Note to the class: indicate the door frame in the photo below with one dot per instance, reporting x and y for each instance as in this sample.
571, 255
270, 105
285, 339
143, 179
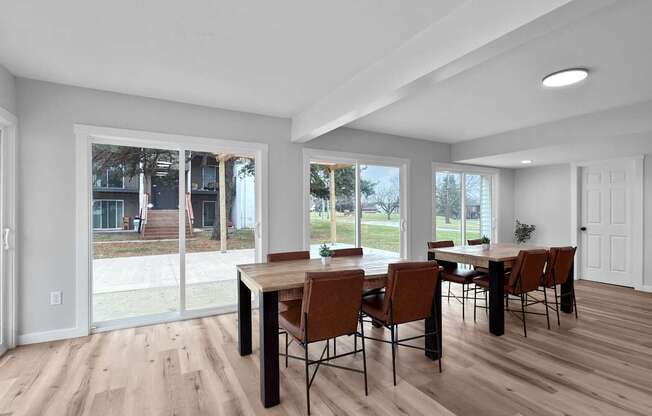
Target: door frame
462, 169
9, 125
636, 189
358, 159
86, 135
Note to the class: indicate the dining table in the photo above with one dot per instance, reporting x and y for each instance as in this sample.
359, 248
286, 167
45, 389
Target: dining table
497, 258
266, 280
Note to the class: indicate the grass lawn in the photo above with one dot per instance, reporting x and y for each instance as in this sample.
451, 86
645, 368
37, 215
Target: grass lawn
379, 236
451, 231
110, 245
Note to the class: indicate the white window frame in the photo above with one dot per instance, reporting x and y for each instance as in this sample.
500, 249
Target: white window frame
203, 179
8, 227
203, 209
357, 159
463, 170
86, 136
118, 223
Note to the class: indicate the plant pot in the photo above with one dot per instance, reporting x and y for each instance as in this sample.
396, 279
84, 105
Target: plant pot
326, 260
486, 246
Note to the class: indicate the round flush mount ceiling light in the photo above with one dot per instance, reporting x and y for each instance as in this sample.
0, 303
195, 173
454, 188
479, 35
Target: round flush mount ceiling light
526, 162
565, 77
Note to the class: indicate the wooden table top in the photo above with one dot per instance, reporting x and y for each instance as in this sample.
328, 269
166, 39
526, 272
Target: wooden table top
478, 256
270, 277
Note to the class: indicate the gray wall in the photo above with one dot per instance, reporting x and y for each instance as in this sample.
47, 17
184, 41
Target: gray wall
47, 166
7, 90
647, 222
542, 198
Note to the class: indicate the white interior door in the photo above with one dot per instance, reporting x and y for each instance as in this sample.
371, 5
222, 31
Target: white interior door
3, 249
606, 222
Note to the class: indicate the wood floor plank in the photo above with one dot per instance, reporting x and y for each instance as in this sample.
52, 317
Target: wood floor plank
600, 364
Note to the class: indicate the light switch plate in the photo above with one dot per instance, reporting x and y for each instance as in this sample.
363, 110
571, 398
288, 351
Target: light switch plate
56, 298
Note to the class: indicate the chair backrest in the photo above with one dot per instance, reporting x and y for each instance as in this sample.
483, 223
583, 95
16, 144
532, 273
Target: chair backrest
345, 252
474, 242
287, 256
331, 301
528, 269
410, 291
441, 244
560, 262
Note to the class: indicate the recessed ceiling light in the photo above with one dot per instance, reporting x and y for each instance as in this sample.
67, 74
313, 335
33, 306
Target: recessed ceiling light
526, 162
565, 77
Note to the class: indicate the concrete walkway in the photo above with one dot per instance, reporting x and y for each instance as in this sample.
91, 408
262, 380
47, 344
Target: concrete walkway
144, 272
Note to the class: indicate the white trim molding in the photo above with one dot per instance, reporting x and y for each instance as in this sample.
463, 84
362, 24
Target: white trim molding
86, 135
54, 335
360, 159
637, 213
8, 164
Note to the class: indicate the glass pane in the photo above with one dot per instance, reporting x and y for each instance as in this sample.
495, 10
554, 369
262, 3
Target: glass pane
486, 214
380, 196
448, 201
114, 177
136, 266
219, 236
473, 200
332, 205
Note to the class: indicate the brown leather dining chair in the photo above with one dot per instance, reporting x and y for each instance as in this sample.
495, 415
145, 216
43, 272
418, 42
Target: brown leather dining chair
474, 242
558, 269
524, 278
346, 252
453, 273
290, 297
409, 295
330, 308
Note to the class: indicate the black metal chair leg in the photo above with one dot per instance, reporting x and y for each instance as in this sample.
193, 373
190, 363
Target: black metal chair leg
475, 302
364, 357
557, 305
545, 302
463, 302
574, 302
335, 346
449, 292
307, 379
355, 342
393, 355
523, 312
286, 349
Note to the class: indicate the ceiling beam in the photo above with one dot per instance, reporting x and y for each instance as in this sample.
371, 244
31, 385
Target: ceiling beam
474, 32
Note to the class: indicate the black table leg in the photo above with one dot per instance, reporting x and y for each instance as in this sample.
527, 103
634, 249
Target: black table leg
244, 318
269, 372
567, 291
496, 296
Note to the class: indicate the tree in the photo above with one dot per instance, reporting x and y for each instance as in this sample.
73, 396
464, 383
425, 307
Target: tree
344, 185
388, 198
447, 195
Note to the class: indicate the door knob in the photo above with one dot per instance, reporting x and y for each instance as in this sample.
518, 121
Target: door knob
582, 228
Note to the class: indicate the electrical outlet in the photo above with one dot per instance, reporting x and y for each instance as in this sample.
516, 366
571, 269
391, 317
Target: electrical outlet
56, 298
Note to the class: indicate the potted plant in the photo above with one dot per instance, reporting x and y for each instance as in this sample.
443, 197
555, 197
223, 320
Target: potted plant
523, 232
326, 254
486, 242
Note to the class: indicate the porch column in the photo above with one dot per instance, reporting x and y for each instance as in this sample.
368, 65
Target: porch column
222, 187
333, 203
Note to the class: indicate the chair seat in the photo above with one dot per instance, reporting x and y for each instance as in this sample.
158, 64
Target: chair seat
284, 305
373, 306
461, 276
290, 320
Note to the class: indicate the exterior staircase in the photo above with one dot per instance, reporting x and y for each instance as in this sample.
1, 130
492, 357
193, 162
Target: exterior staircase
163, 224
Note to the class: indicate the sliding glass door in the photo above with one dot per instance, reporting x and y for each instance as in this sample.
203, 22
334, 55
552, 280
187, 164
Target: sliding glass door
463, 205
169, 225
355, 203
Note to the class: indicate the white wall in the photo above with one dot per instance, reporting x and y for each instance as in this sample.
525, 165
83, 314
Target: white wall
542, 198
7, 90
505, 214
47, 166
647, 223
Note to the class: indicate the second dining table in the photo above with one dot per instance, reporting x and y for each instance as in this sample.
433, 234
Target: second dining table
497, 259
267, 279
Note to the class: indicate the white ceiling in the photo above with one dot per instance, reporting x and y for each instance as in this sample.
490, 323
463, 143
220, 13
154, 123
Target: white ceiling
268, 57
505, 94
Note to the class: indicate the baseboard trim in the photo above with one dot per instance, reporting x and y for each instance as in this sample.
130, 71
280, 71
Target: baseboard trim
645, 288
54, 335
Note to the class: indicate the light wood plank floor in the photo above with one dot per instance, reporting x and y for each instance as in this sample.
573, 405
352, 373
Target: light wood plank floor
600, 364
